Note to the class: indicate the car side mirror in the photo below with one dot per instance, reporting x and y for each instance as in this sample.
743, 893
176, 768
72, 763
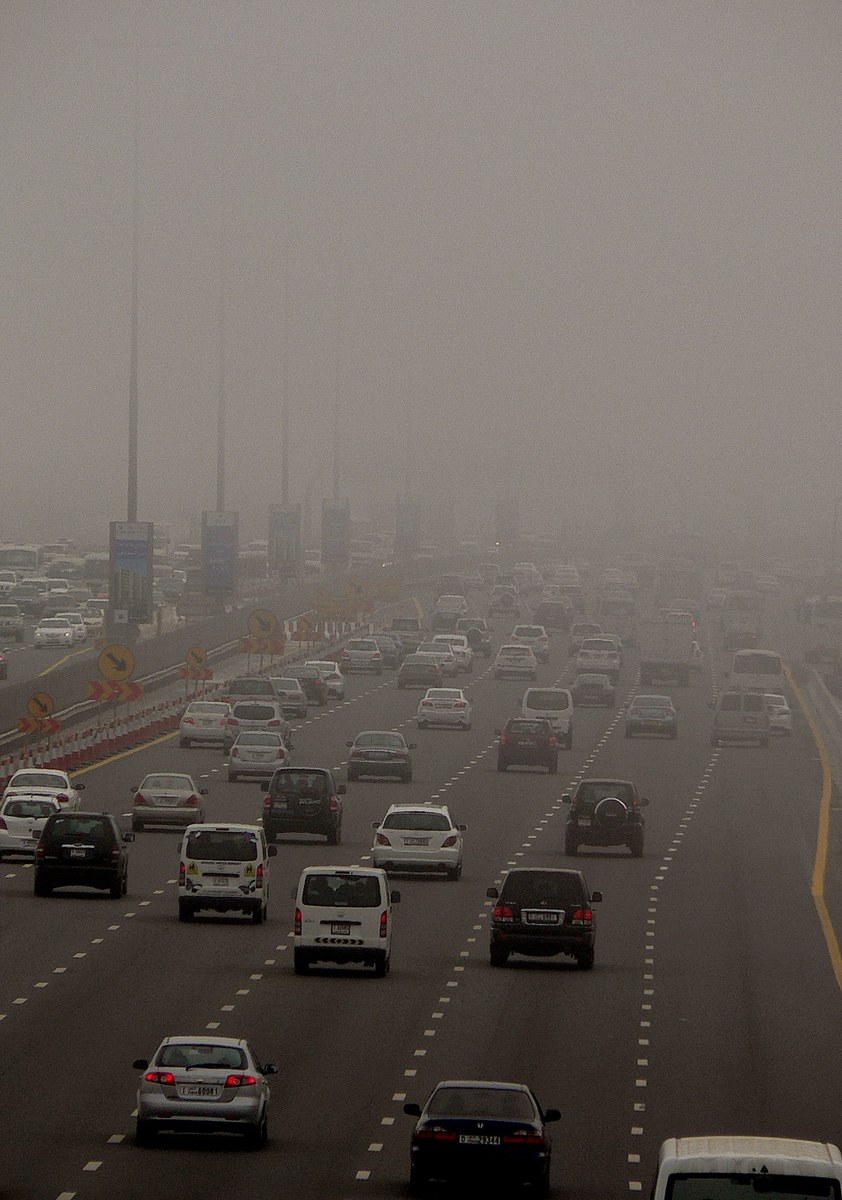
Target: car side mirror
492, 893
552, 1114
80, 787
341, 789
349, 743
140, 1064
596, 897
644, 801
412, 1110
272, 851
128, 837
203, 791
270, 1069
394, 897
566, 798
462, 828
498, 732
375, 824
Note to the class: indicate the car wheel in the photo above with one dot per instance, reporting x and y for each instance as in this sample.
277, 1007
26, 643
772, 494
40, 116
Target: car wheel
185, 910
501, 766
636, 845
352, 775
300, 962
422, 724
115, 891
571, 846
381, 965
584, 960
137, 826
498, 956
258, 915
257, 1135
232, 776
454, 872
334, 836
144, 1134
184, 743
417, 1182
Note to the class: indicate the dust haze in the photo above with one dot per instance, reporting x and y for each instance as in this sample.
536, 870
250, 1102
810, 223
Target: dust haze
588, 252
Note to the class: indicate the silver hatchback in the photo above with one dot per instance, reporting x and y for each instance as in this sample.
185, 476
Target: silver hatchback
256, 716
203, 1085
257, 756
203, 722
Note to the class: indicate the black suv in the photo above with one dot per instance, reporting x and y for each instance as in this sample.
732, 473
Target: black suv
82, 849
304, 800
605, 812
477, 632
543, 911
527, 742
312, 683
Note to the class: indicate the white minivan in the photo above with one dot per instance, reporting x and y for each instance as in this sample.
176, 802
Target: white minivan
343, 915
757, 671
554, 705
742, 1168
224, 867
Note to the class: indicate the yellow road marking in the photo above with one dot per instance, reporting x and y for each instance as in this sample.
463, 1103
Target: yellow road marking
106, 762
820, 860
58, 662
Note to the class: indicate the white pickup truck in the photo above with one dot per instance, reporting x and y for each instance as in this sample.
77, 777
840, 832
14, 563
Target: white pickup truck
600, 656
666, 649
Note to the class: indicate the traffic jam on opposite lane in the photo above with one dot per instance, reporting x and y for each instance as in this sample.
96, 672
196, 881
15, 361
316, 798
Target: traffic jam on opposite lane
435, 795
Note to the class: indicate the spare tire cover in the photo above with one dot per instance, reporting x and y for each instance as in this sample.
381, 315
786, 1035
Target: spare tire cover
610, 813
474, 636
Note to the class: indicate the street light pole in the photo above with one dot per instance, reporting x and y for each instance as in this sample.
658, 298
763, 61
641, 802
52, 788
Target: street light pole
220, 399
285, 401
131, 505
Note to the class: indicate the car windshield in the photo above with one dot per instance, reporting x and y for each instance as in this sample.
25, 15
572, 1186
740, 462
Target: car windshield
250, 687
416, 820
344, 890
499, 1103
778, 701
29, 808
222, 845
542, 887
198, 1054
172, 783
547, 700
287, 685
207, 708
39, 779
305, 673
443, 694
393, 741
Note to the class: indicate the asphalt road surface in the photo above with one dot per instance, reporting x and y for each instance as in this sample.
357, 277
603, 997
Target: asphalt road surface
712, 1006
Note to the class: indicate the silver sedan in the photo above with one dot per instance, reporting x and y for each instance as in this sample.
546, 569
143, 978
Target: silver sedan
203, 1085
257, 756
165, 798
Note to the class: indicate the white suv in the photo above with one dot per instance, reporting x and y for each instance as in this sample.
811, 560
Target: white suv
534, 636
515, 660
361, 654
460, 646
418, 837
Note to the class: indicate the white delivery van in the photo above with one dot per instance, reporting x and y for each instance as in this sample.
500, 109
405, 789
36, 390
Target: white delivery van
224, 867
747, 1168
343, 915
757, 671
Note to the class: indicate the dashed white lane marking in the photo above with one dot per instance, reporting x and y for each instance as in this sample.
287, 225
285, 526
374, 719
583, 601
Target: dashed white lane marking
92, 1166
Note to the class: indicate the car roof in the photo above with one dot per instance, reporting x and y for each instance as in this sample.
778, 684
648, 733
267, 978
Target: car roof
333, 869
224, 827
594, 779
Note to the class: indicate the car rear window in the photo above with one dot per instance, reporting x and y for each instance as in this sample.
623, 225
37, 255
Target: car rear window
79, 828
254, 712
592, 793
299, 783
499, 1103
29, 808
222, 845
346, 891
251, 687
534, 887
753, 703
208, 708
173, 783
197, 1055
416, 820
391, 741
547, 700
517, 727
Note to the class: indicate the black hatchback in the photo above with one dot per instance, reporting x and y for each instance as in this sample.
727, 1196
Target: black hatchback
543, 911
83, 850
528, 743
304, 800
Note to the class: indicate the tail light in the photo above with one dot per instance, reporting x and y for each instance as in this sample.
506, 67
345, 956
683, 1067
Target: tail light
297, 925
267, 801
280, 753
139, 798
187, 721
3, 824
436, 1134
235, 752
115, 853
159, 1077
239, 1081
231, 721
182, 874
551, 740
259, 877
334, 804
523, 1139
376, 655
382, 840
582, 916
191, 801
62, 798
426, 703
274, 724
502, 912
384, 923
453, 840
503, 738
39, 850
461, 704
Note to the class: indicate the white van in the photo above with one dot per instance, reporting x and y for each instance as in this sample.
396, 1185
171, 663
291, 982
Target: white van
757, 671
224, 867
745, 1168
343, 915
554, 705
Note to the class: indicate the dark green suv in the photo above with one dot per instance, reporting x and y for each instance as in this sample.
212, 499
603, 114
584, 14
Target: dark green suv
82, 849
605, 812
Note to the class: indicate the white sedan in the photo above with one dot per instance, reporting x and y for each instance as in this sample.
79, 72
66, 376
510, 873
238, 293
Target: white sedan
21, 820
780, 714
418, 837
32, 781
53, 631
443, 654
445, 706
332, 676
77, 624
515, 660
461, 647
533, 636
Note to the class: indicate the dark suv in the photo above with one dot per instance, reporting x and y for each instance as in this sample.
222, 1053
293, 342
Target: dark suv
82, 849
527, 742
304, 800
543, 911
605, 812
312, 683
477, 632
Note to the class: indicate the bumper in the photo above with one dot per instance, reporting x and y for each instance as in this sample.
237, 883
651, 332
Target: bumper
417, 859
527, 760
493, 1163
594, 835
514, 672
196, 733
361, 767
442, 716
146, 814
543, 944
11, 844
255, 770
198, 1115
667, 728
93, 877
361, 665
275, 826
341, 951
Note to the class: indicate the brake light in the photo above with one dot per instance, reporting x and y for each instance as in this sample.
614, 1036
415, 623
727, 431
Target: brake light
450, 841
39, 850
259, 876
435, 1134
376, 654
502, 912
139, 798
182, 874
551, 740
582, 916
191, 801
384, 923
334, 804
274, 724
115, 853
267, 801
426, 703
239, 1081
297, 925
503, 738
461, 704
159, 1077
280, 752
231, 721
62, 798
523, 1139
382, 840
235, 753
187, 721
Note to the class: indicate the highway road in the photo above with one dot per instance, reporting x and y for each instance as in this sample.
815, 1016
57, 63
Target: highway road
712, 1007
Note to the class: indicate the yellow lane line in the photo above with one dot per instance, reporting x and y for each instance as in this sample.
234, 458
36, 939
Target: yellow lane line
59, 661
106, 762
820, 860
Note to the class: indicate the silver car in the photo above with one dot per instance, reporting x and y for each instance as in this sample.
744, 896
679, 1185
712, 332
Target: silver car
333, 677
291, 695
362, 654
253, 716
203, 1085
21, 820
165, 798
204, 722
256, 756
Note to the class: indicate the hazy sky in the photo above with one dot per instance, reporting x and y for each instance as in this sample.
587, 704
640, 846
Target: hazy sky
588, 249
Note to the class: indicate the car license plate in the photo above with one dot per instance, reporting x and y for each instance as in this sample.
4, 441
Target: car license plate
166, 801
478, 1139
27, 841
542, 918
584, 820
340, 929
78, 851
416, 841
220, 881
200, 1091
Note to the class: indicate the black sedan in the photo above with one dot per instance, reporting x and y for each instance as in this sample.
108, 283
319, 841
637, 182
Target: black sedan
377, 752
476, 1130
312, 683
527, 742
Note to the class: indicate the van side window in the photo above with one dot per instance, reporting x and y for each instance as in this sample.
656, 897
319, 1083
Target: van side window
753, 703
730, 702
